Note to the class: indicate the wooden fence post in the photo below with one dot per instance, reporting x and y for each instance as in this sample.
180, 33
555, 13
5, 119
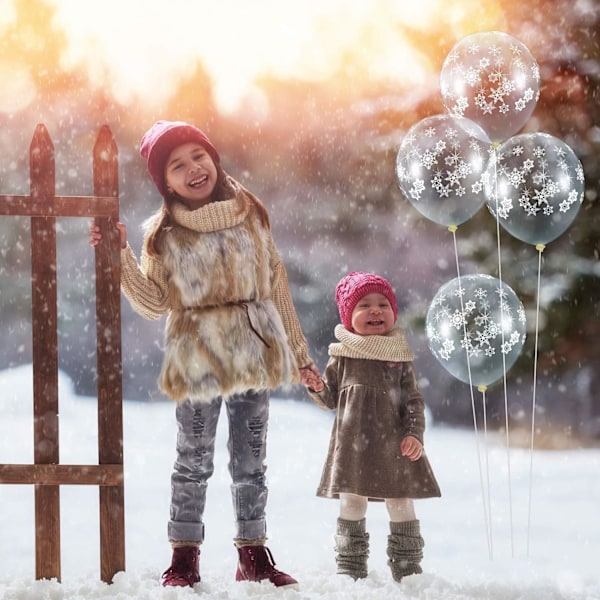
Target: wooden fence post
45, 353
108, 336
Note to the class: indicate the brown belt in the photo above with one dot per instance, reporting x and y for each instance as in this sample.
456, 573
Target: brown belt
242, 304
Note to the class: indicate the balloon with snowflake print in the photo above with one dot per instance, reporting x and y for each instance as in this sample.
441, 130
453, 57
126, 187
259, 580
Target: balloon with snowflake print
491, 78
535, 187
440, 166
476, 328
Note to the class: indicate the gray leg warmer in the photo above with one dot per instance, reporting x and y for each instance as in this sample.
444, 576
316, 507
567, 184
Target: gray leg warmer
352, 547
405, 549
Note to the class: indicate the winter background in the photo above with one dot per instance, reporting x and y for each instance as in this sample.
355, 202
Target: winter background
564, 535
309, 115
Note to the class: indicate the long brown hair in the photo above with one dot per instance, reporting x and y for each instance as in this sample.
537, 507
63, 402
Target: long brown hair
226, 188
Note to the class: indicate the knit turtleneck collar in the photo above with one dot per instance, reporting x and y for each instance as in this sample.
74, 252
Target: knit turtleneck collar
213, 216
392, 347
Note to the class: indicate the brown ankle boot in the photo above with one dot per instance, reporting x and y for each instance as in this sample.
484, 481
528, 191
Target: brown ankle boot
256, 564
185, 569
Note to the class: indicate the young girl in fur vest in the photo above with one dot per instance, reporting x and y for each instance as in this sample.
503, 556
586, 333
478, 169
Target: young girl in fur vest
376, 447
210, 263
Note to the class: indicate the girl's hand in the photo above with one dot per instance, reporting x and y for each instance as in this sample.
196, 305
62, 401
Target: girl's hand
311, 378
96, 236
411, 447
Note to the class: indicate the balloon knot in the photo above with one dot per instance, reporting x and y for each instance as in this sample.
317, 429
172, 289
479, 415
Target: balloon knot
452, 228
481, 388
540, 247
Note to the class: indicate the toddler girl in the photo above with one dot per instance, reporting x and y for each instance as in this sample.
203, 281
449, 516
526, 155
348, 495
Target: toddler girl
376, 447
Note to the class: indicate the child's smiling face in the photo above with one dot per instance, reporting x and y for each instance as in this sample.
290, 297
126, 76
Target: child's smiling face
191, 173
373, 315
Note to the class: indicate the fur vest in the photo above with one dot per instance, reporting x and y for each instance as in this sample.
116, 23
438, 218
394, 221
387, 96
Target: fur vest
224, 335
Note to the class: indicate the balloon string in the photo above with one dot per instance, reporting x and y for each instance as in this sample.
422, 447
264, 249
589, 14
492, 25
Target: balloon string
506, 424
482, 389
486, 508
540, 249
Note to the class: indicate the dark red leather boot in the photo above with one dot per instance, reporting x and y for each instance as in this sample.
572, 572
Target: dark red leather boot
256, 564
185, 567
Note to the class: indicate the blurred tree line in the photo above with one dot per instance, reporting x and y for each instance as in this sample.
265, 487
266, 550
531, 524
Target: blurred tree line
322, 158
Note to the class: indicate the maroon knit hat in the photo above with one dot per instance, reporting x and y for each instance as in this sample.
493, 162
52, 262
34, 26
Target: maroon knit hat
162, 138
357, 285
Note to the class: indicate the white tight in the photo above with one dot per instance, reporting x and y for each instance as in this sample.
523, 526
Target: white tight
354, 508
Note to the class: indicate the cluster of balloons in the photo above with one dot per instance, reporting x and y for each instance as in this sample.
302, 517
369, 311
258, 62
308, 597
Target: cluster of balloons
449, 165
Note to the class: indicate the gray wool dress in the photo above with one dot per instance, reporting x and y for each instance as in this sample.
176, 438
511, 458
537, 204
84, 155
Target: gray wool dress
377, 404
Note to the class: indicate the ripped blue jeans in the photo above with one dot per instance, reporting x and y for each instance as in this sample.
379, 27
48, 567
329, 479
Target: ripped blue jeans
248, 415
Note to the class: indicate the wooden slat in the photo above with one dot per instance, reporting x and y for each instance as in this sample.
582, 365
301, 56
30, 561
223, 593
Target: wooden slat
62, 474
47, 532
108, 334
45, 354
112, 532
60, 206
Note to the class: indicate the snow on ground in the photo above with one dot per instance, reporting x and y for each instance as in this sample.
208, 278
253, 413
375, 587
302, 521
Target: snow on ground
461, 561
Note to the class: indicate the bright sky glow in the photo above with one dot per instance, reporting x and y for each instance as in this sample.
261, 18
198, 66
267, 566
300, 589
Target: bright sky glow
140, 48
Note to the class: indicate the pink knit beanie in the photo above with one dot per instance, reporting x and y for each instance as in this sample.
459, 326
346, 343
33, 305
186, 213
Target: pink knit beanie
162, 138
357, 285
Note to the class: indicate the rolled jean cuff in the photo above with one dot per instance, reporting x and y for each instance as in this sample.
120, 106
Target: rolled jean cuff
180, 532
251, 530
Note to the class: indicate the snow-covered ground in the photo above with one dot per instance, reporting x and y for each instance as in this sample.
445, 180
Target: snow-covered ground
461, 560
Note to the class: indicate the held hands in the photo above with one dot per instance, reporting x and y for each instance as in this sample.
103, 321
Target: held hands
311, 378
96, 236
411, 447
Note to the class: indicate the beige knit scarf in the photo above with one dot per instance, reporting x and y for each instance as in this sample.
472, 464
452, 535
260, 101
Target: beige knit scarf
211, 217
392, 347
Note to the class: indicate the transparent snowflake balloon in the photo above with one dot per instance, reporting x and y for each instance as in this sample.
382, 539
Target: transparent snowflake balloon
535, 186
440, 167
476, 330
491, 78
